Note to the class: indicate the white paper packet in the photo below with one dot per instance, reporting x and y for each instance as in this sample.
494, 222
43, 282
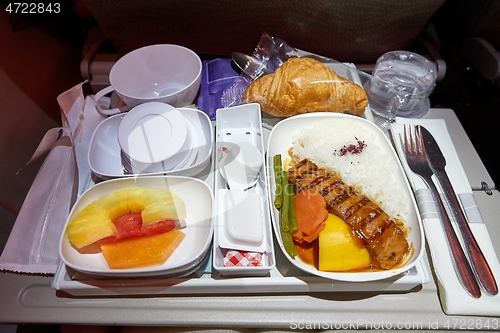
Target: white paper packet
33, 244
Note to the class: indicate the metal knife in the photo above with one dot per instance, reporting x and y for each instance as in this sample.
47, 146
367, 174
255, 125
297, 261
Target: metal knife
480, 266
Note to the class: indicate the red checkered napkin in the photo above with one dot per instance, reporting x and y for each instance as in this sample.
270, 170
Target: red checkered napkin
234, 258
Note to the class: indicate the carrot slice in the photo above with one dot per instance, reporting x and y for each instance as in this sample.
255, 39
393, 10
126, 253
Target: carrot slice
311, 213
310, 238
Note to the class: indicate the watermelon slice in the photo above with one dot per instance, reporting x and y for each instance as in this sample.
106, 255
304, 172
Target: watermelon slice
130, 225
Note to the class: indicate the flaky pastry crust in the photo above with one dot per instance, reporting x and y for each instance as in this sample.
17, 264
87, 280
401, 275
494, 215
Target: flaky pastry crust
303, 85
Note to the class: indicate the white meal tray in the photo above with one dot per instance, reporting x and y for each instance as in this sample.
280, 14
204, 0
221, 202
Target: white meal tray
284, 277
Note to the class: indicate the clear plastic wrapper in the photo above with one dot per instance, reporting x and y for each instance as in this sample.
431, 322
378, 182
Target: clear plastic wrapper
272, 53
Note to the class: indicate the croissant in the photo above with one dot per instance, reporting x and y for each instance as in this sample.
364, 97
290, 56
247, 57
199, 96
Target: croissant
304, 85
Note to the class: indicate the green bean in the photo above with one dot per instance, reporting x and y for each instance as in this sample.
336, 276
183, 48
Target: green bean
292, 218
285, 224
288, 244
278, 197
283, 201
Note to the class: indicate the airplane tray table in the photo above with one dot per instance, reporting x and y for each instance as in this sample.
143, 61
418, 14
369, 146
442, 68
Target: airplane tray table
313, 302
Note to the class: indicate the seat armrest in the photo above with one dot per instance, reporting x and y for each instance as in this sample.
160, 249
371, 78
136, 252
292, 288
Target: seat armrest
484, 56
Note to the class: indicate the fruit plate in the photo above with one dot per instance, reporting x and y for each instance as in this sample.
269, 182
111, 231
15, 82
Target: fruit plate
280, 141
198, 198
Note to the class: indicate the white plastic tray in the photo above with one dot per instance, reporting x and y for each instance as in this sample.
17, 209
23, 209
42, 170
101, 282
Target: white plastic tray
283, 278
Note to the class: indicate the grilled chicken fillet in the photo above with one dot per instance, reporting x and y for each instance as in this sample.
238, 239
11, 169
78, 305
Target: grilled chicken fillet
383, 238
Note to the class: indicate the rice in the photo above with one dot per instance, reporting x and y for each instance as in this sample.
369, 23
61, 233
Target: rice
371, 172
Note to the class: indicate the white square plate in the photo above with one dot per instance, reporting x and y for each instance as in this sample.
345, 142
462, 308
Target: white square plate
198, 198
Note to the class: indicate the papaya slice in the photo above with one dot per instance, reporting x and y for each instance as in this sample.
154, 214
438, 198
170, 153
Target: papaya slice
135, 252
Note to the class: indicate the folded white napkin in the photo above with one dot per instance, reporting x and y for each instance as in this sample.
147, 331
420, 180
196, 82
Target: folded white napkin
454, 299
33, 244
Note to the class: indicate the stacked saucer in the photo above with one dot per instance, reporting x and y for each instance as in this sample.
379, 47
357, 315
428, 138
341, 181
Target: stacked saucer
156, 137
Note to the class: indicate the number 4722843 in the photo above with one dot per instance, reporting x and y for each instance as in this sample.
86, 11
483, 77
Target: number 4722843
33, 8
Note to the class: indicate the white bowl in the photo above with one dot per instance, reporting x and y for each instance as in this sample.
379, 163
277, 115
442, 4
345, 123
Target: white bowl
198, 198
104, 151
164, 73
280, 141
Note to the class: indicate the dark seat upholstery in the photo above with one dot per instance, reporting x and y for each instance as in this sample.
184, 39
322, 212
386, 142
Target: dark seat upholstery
469, 32
357, 31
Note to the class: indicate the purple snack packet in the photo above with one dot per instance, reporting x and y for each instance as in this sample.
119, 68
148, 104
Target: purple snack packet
217, 76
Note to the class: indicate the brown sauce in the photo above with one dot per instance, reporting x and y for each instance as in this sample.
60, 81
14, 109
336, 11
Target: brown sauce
308, 252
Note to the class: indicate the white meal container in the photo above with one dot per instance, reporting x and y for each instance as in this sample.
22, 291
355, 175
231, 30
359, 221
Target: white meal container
280, 141
236, 209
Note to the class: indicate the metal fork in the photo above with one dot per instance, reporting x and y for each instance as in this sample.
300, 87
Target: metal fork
416, 157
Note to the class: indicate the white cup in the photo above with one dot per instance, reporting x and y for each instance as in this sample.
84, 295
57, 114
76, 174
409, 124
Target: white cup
164, 73
241, 166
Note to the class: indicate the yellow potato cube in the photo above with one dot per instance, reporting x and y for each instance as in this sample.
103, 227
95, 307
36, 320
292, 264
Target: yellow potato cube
339, 249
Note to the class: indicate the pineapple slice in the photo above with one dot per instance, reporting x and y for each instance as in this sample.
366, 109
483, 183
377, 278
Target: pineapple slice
173, 210
85, 229
95, 221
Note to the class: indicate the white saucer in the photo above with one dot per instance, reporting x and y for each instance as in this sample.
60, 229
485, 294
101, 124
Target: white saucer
153, 132
104, 151
182, 159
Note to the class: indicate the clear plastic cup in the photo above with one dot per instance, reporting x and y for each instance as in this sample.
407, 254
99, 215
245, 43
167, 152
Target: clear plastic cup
402, 84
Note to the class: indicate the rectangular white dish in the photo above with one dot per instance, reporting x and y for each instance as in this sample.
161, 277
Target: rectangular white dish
281, 141
196, 195
236, 125
105, 156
